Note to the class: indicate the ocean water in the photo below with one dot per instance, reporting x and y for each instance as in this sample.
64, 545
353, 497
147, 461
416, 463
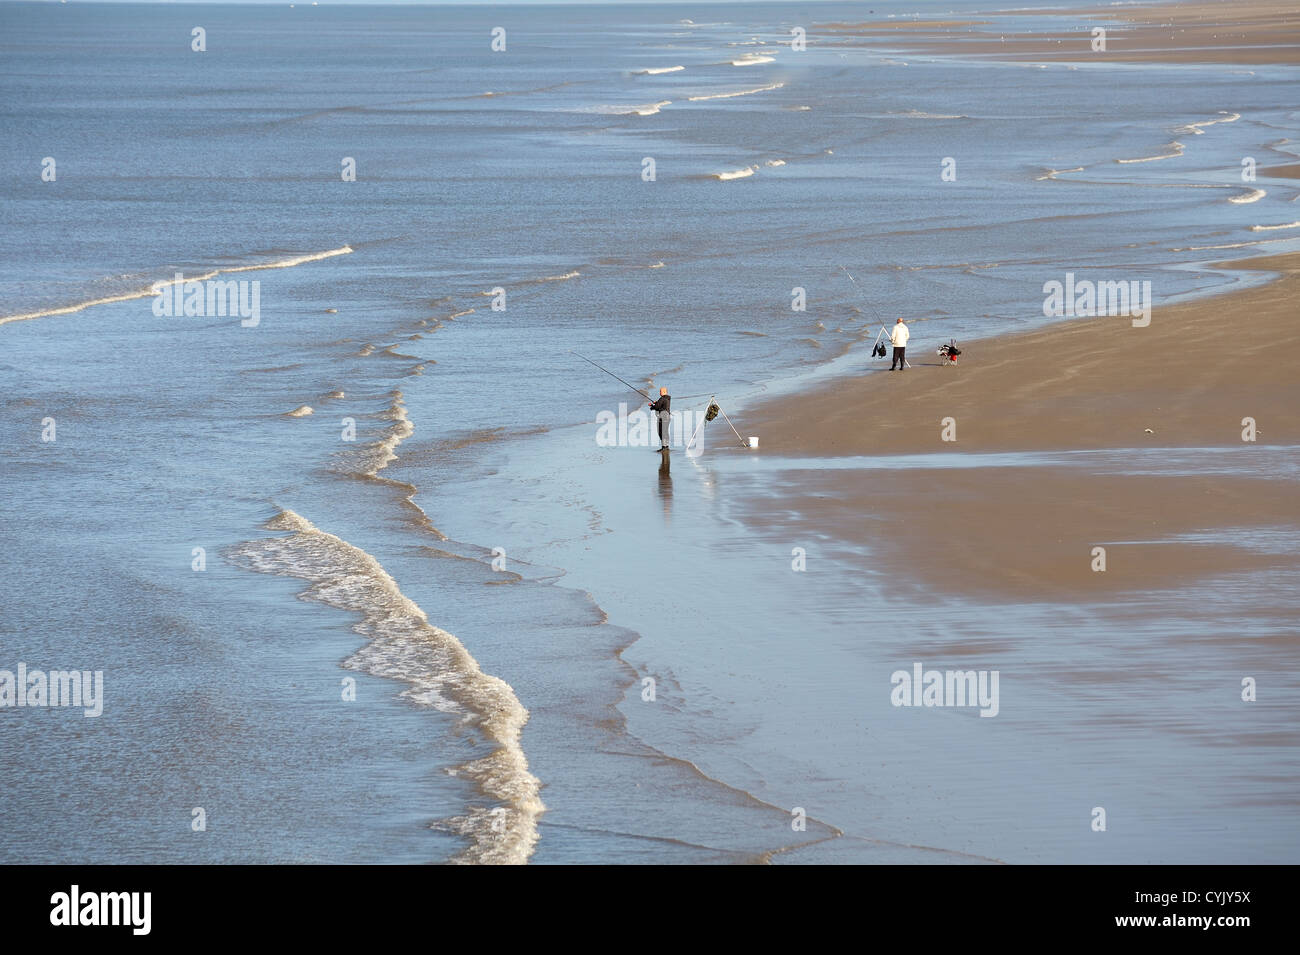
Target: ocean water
428, 609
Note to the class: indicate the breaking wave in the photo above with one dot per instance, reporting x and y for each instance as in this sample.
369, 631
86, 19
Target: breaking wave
645, 109
403, 645
919, 114
1196, 130
154, 287
1053, 173
757, 89
371, 458
1250, 195
1230, 245
1176, 146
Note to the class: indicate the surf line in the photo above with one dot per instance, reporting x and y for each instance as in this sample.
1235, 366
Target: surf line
403, 645
157, 288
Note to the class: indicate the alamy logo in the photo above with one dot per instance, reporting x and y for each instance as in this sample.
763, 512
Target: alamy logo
103, 908
946, 688
640, 428
209, 298
56, 688
1088, 299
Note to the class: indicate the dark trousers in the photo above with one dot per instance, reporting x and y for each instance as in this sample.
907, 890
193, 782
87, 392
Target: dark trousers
900, 359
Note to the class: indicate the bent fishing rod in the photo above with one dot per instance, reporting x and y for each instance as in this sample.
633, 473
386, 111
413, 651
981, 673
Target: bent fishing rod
856, 287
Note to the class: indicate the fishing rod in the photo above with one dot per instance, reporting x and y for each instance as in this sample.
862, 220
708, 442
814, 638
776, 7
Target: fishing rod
714, 410
857, 287
633, 387
853, 280
883, 330
712, 403
612, 375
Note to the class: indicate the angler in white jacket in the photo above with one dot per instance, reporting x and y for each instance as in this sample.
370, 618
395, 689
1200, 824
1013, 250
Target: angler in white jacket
898, 338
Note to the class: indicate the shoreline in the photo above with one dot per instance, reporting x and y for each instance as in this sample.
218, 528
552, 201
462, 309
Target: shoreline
1025, 529
1256, 32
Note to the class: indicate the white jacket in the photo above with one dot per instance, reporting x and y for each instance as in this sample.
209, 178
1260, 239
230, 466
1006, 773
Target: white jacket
899, 336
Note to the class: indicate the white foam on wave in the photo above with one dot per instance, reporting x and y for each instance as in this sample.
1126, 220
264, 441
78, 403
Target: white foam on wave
1053, 173
656, 70
735, 174
1230, 245
1176, 147
1196, 128
403, 645
919, 114
299, 412
487, 293
1270, 228
1250, 195
752, 59
155, 287
372, 458
651, 108
757, 89
290, 262
644, 109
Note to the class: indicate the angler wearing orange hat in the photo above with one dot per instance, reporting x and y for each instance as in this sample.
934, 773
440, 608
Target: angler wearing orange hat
661, 407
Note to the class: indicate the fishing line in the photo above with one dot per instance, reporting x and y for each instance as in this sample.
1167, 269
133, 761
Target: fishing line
713, 412
612, 375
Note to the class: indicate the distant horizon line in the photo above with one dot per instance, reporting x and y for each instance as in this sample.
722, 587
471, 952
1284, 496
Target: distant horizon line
430, 3
495, 3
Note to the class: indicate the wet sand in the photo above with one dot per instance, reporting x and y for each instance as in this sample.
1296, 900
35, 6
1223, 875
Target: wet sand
1248, 32
1098, 385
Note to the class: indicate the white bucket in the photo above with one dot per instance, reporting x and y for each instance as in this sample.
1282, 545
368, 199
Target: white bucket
753, 441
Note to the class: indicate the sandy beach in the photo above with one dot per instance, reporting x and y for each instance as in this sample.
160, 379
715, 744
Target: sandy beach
1187, 380
1250, 32
384, 570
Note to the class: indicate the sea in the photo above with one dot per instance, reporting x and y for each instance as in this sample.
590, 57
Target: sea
301, 445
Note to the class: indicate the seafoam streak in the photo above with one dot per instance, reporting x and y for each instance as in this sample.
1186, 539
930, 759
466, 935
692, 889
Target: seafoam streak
403, 645
1250, 195
154, 287
757, 89
1176, 151
1053, 173
735, 174
643, 109
1196, 130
